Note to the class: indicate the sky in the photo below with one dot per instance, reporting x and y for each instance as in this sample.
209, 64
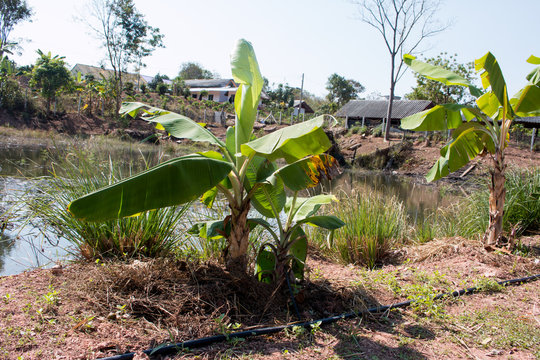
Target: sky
291, 37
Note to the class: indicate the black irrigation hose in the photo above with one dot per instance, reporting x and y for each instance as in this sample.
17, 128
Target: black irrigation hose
175, 348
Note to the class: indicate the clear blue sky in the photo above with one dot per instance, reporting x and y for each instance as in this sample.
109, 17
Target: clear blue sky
315, 37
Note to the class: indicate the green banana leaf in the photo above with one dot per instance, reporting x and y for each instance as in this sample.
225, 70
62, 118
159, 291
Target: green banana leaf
469, 140
265, 264
245, 71
291, 143
491, 76
308, 172
174, 124
527, 101
298, 250
306, 207
210, 229
269, 196
489, 105
440, 74
174, 182
439, 117
329, 222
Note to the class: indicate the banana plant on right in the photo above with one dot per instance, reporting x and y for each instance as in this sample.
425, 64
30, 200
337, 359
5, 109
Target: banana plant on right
479, 129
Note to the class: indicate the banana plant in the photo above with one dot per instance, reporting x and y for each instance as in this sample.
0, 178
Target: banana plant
477, 130
242, 169
285, 255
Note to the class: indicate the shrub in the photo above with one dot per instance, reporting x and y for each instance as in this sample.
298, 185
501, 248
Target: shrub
11, 96
377, 131
162, 89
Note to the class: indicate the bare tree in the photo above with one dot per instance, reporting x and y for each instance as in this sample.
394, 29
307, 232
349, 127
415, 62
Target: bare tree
126, 37
11, 13
403, 24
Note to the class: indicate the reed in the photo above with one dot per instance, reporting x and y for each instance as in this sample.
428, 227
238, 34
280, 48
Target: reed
374, 225
78, 172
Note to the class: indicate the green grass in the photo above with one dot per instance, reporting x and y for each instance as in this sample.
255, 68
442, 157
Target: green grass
374, 225
79, 172
521, 209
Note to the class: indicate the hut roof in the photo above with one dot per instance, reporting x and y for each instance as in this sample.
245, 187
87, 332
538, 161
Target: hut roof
305, 106
210, 83
377, 108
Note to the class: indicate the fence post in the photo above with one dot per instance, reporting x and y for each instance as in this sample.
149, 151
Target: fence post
533, 136
280, 118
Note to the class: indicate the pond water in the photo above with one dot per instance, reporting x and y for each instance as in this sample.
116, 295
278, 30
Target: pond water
24, 245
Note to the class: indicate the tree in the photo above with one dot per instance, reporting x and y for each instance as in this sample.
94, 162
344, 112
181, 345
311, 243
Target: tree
126, 36
50, 75
342, 90
11, 13
156, 80
193, 70
439, 93
244, 171
403, 24
481, 129
282, 95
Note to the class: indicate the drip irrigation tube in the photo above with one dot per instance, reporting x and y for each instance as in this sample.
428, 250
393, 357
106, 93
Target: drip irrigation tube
189, 344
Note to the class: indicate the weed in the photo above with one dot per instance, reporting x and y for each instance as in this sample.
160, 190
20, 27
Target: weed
226, 328
504, 328
487, 285
51, 298
6, 298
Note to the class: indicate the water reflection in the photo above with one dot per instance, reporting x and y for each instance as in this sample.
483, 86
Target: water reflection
419, 200
23, 245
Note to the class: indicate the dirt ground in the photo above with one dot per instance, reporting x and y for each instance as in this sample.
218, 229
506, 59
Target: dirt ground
89, 310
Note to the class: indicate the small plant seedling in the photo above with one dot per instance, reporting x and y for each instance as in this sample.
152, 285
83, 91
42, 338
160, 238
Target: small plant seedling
6, 298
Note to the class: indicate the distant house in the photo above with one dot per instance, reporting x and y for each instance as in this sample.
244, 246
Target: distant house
219, 90
304, 109
98, 73
372, 112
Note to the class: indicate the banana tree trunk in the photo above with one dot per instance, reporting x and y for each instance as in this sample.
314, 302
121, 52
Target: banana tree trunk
238, 241
497, 193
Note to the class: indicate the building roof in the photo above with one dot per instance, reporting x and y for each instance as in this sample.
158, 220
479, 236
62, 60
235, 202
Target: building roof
529, 122
305, 106
210, 83
231, 90
377, 108
99, 73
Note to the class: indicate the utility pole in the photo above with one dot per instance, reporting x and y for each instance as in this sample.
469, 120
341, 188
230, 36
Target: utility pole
301, 96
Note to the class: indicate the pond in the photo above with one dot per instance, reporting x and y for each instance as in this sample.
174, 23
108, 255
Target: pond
24, 245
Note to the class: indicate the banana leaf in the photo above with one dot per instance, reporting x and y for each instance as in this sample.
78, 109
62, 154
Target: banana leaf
174, 182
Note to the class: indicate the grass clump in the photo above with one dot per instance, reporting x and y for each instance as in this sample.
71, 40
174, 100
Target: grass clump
152, 233
521, 210
374, 225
